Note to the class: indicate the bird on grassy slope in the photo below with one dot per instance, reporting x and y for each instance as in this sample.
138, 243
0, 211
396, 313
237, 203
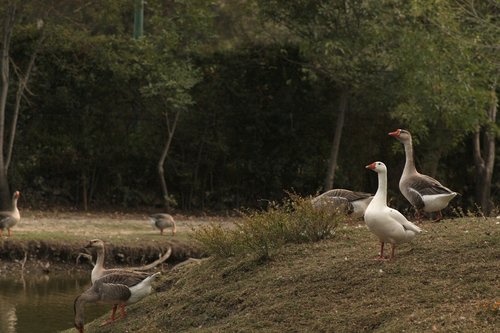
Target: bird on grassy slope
99, 270
162, 221
10, 218
119, 289
423, 192
349, 202
389, 225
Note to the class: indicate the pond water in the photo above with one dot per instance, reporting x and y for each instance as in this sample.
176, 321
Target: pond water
43, 303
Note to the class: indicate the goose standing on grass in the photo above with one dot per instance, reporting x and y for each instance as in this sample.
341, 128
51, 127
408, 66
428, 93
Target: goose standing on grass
423, 192
10, 218
117, 289
346, 201
162, 221
389, 225
99, 270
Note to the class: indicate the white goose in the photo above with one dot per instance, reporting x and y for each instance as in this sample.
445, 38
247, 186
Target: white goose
99, 270
163, 221
117, 289
349, 202
389, 225
10, 218
423, 192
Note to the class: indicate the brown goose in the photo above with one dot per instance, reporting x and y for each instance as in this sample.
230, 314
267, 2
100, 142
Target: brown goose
423, 192
99, 271
8, 219
349, 202
162, 221
117, 289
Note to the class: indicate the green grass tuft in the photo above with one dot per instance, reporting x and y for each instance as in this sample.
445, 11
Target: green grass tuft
260, 233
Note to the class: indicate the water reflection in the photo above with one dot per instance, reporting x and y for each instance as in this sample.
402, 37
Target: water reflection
8, 318
42, 303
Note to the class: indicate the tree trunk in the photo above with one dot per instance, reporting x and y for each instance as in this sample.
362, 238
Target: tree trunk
84, 191
23, 79
22, 87
8, 26
161, 162
484, 159
334, 152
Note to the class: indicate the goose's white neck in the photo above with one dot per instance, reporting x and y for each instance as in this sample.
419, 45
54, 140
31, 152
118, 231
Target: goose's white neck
15, 213
409, 162
380, 197
99, 265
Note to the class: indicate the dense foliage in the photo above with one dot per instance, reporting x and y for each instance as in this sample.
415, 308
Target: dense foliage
257, 86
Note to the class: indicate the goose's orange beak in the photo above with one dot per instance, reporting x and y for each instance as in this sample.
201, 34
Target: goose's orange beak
370, 166
395, 133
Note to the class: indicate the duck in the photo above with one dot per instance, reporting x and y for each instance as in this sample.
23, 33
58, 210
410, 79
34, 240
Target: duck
162, 221
99, 270
349, 202
423, 192
388, 224
10, 218
119, 289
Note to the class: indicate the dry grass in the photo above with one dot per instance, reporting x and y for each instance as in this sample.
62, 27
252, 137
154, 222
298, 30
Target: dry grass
261, 233
447, 280
113, 227
58, 237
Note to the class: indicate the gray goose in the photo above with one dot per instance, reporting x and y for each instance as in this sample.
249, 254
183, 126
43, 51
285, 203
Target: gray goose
423, 192
349, 202
162, 221
117, 289
99, 270
10, 218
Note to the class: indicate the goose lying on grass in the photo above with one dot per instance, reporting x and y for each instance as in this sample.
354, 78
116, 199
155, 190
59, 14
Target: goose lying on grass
423, 192
119, 289
389, 225
346, 201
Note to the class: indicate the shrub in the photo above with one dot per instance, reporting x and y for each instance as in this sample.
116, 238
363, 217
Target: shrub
262, 232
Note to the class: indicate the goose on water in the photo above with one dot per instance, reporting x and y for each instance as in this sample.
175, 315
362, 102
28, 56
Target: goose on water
119, 289
423, 192
389, 225
10, 218
163, 221
346, 201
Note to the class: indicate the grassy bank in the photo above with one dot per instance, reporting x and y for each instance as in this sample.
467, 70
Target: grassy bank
447, 280
56, 238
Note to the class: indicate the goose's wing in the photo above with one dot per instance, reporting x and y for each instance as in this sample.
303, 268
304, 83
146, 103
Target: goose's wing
162, 220
111, 292
7, 220
160, 216
122, 276
333, 202
398, 217
426, 185
347, 194
3, 222
5, 215
353, 196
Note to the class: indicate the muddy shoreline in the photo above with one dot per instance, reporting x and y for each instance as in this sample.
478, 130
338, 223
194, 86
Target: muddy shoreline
51, 241
45, 257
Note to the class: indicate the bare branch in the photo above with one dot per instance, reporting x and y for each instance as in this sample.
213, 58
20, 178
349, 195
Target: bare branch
23, 82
